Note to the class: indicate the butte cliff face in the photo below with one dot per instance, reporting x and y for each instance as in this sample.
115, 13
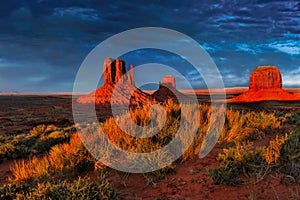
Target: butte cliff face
265, 77
167, 90
118, 84
265, 84
114, 71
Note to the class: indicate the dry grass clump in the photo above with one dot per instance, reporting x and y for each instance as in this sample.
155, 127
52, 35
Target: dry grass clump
39, 140
282, 155
240, 126
61, 157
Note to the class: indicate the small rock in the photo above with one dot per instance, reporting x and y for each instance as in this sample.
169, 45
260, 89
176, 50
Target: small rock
182, 183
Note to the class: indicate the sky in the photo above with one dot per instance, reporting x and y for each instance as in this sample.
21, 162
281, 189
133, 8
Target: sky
43, 43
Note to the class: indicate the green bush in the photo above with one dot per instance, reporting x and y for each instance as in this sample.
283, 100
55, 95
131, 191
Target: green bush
39, 140
240, 126
42, 130
272, 152
83, 188
12, 150
14, 191
162, 173
290, 156
2, 139
237, 160
225, 176
282, 155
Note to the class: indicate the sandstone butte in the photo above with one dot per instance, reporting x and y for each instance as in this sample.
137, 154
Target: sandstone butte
167, 90
265, 84
119, 82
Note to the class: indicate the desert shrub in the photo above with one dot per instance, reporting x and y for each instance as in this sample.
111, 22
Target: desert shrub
162, 137
45, 143
6, 150
288, 117
44, 137
240, 126
14, 191
162, 173
13, 133
13, 150
83, 188
282, 155
261, 120
39, 140
2, 139
140, 116
224, 175
42, 130
67, 157
289, 160
207, 121
272, 152
236, 160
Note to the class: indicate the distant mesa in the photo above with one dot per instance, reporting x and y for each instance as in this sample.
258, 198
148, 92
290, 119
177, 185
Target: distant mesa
168, 81
119, 83
265, 77
167, 90
265, 84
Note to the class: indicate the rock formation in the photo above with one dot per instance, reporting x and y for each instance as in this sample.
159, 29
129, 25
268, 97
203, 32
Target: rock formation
113, 70
265, 84
167, 90
265, 77
131, 77
118, 82
168, 81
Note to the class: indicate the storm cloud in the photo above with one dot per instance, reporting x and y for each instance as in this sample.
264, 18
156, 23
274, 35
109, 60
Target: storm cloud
43, 43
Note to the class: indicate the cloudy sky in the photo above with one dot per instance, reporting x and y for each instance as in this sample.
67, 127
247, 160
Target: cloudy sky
43, 43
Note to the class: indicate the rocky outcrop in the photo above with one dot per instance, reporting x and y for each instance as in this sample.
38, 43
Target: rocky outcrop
168, 81
118, 84
131, 76
265, 77
115, 70
167, 90
265, 84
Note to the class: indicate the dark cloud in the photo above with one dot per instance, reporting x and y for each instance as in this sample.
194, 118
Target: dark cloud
42, 43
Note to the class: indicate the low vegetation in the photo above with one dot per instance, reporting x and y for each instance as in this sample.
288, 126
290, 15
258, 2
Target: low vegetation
240, 126
282, 155
50, 153
83, 188
39, 140
71, 157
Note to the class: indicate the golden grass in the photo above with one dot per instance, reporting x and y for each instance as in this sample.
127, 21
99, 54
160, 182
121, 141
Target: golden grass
239, 126
272, 152
61, 156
